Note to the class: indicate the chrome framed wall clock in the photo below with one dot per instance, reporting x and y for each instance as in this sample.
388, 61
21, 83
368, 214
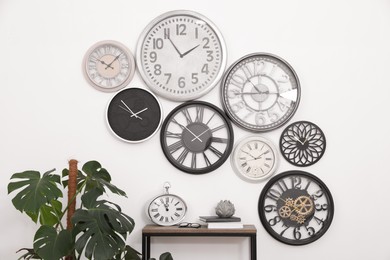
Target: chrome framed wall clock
302, 143
254, 158
186, 40
167, 209
196, 137
296, 207
108, 66
134, 115
260, 92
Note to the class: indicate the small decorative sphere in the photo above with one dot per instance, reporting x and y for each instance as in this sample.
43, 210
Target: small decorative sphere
225, 209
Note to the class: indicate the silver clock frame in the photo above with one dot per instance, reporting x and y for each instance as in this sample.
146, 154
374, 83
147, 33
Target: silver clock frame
131, 61
165, 94
244, 141
228, 109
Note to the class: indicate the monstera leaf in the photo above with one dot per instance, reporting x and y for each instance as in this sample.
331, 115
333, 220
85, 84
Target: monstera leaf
49, 244
164, 256
37, 191
94, 176
101, 229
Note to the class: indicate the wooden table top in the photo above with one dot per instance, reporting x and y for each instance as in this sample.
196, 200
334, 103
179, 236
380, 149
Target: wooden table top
155, 229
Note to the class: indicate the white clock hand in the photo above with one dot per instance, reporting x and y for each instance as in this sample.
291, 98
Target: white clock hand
135, 114
130, 110
200, 134
193, 134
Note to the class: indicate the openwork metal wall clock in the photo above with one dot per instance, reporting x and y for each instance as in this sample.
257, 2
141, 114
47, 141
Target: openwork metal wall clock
108, 66
260, 92
181, 55
296, 207
254, 158
196, 137
302, 143
134, 115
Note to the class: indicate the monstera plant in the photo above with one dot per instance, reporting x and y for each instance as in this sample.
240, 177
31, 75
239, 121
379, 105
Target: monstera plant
97, 229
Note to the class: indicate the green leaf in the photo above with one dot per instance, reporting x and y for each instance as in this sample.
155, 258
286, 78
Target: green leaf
36, 191
166, 256
131, 254
49, 214
101, 230
51, 245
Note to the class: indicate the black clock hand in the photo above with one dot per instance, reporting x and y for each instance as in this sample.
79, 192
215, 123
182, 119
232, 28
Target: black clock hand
190, 50
117, 57
107, 65
249, 154
174, 46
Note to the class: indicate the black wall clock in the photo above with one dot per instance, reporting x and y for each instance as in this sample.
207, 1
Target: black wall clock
260, 92
302, 143
134, 115
296, 207
196, 137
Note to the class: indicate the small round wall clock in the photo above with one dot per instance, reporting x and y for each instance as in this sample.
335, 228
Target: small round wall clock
186, 40
196, 137
254, 158
302, 143
260, 92
134, 115
167, 209
108, 66
296, 207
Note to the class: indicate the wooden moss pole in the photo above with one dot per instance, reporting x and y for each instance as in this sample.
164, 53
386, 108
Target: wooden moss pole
72, 188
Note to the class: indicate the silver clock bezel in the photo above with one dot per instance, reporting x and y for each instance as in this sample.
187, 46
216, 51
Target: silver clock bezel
165, 94
131, 61
227, 108
244, 141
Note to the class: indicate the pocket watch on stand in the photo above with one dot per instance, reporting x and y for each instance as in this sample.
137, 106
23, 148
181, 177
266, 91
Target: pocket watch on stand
167, 209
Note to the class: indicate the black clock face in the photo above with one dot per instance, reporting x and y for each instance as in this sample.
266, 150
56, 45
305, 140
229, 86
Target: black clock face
302, 143
134, 115
296, 207
196, 137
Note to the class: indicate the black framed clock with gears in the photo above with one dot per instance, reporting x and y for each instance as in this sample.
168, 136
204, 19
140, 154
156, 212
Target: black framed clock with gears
302, 143
196, 137
134, 115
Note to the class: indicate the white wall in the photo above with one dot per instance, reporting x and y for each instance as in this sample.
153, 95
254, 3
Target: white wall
339, 49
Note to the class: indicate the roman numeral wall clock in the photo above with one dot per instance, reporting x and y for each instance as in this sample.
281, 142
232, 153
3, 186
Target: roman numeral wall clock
196, 137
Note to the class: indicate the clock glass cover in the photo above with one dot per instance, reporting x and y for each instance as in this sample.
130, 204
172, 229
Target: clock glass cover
196, 137
260, 92
181, 55
302, 143
134, 115
254, 158
108, 66
296, 207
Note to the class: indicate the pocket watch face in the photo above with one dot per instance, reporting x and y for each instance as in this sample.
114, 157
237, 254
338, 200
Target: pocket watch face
302, 143
167, 210
296, 207
108, 66
134, 115
254, 158
196, 137
260, 92
185, 40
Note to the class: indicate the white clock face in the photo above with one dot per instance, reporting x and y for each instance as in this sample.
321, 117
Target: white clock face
108, 66
181, 55
167, 210
254, 158
260, 92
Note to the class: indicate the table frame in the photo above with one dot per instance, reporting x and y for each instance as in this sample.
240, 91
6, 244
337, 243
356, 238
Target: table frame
150, 231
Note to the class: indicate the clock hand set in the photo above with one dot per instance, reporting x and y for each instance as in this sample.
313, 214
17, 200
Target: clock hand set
117, 57
299, 140
127, 109
177, 50
190, 50
107, 65
196, 137
200, 134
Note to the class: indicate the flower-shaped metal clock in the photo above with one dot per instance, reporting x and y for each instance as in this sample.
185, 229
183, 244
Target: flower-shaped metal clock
302, 143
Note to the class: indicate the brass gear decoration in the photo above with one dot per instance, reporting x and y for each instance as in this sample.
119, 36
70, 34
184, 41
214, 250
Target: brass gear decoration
304, 205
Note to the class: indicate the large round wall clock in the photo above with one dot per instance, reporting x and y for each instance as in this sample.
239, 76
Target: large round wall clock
134, 115
260, 92
167, 209
254, 158
181, 55
302, 143
108, 66
296, 207
196, 137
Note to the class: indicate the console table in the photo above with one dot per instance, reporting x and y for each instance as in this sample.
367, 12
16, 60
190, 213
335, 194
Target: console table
150, 231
